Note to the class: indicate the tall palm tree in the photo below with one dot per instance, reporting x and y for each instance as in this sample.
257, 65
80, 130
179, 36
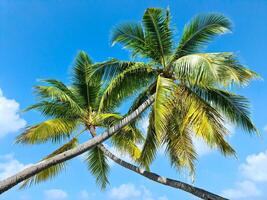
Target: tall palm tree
193, 86
74, 110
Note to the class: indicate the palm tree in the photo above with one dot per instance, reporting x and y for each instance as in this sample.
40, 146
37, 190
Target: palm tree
192, 86
74, 110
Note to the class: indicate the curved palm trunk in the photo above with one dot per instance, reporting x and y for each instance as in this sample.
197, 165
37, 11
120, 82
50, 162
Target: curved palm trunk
203, 194
34, 169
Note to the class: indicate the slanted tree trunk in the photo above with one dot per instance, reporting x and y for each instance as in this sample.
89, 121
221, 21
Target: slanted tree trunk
10, 182
203, 194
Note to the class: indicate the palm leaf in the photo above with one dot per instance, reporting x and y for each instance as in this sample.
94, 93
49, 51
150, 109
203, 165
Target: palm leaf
151, 144
199, 31
131, 36
211, 68
98, 165
87, 87
158, 33
54, 109
164, 90
206, 122
53, 171
134, 78
54, 130
234, 107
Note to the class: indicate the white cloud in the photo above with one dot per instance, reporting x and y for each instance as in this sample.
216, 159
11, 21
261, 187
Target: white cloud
245, 189
131, 192
84, 195
10, 121
254, 172
55, 194
9, 166
255, 167
124, 191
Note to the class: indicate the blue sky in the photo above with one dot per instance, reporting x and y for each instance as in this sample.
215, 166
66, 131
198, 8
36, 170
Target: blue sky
39, 39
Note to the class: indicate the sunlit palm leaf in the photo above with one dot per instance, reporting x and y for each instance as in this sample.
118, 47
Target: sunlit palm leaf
54, 130
234, 107
206, 122
164, 90
151, 144
210, 69
179, 146
53, 93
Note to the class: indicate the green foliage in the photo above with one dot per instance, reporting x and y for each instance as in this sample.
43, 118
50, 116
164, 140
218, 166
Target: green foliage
76, 107
191, 87
125, 84
53, 171
54, 130
199, 31
98, 165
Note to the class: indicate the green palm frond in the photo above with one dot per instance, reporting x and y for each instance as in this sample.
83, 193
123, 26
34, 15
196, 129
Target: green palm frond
234, 107
157, 33
134, 78
98, 165
54, 130
141, 98
179, 146
53, 171
86, 85
205, 121
110, 69
164, 90
126, 141
54, 109
212, 68
53, 93
105, 119
151, 144
199, 31
131, 36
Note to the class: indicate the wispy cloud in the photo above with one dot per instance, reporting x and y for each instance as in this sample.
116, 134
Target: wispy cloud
244, 189
130, 191
10, 120
9, 166
254, 173
55, 194
85, 195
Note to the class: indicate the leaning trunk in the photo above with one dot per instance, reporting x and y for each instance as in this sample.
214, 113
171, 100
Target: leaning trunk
203, 194
35, 169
